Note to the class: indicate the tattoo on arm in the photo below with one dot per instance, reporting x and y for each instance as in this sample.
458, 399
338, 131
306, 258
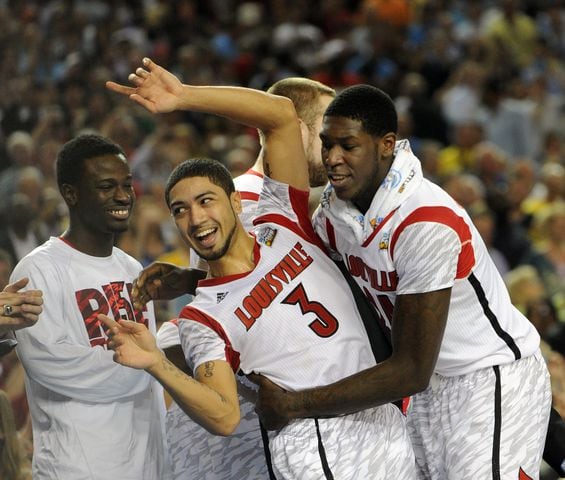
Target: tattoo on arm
208, 369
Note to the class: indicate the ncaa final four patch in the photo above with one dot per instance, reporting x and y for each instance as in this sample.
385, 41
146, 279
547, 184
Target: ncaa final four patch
267, 236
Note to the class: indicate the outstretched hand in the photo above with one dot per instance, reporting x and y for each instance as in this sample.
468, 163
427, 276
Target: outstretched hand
271, 404
156, 89
133, 344
160, 281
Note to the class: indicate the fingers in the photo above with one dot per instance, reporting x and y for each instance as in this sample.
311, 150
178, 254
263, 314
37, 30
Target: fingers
135, 79
122, 89
110, 324
140, 72
17, 285
149, 64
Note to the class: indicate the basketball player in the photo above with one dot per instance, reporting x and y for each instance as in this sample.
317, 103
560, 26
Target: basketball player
194, 451
264, 308
481, 393
92, 419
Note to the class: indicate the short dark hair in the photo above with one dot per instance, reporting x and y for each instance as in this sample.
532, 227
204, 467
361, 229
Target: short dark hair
217, 173
368, 104
71, 157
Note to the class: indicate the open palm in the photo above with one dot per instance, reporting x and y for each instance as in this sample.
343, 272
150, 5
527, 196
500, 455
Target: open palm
156, 89
133, 345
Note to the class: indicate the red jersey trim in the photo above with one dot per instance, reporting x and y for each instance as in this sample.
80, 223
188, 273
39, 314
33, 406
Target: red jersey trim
249, 196
378, 228
193, 314
449, 218
299, 204
254, 172
210, 282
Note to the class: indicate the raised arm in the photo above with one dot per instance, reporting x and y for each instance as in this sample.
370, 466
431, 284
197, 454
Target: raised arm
210, 398
159, 91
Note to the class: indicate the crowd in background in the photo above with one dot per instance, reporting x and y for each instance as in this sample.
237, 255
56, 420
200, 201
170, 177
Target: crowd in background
479, 88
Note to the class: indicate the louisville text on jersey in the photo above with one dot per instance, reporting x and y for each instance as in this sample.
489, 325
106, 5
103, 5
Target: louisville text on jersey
266, 290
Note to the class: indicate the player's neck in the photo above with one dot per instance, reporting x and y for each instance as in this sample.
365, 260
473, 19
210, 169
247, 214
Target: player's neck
99, 245
240, 257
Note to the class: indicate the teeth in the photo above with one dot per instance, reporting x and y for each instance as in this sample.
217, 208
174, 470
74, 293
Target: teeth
204, 233
119, 212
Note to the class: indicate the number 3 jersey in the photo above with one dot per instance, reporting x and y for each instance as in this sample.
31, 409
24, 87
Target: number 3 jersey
292, 318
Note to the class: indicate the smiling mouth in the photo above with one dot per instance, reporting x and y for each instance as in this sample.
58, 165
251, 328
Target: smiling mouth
206, 237
119, 213
337, 179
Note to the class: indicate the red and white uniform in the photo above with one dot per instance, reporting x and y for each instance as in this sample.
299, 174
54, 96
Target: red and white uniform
194, 451
92, 418
293, 319
249, 186
415, 238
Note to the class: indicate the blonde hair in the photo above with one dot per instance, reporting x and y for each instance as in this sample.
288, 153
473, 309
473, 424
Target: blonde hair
11, 453
305, 95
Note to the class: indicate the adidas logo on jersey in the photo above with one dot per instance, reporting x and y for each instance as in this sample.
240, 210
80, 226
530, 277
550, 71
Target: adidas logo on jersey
221, 296
266, 236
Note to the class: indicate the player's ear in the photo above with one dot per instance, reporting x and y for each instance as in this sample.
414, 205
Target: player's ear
69, 193
304, 131
388, 143
235, 200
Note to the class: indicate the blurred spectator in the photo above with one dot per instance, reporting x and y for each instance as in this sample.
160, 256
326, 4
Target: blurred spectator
14, 465
528, 294
507, 122
484, 220
20, 148
21, 232
461, 154
460, 96
467, 190
513, 32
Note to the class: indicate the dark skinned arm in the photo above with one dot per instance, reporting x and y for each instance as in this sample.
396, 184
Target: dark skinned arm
164, 281
418, 325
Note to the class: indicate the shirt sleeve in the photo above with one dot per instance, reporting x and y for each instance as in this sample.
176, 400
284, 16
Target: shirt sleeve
55, 357
426, 256
200, 344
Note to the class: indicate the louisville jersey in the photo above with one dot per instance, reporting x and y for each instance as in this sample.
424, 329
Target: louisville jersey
427, 242
292, 318
249, 186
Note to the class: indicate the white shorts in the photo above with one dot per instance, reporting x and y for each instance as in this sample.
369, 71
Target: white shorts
488, 424
372, 444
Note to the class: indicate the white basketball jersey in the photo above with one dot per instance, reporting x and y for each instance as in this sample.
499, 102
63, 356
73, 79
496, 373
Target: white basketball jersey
429, 243
249, 186
292, 318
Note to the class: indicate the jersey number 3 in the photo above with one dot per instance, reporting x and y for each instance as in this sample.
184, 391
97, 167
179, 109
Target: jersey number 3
325, 324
